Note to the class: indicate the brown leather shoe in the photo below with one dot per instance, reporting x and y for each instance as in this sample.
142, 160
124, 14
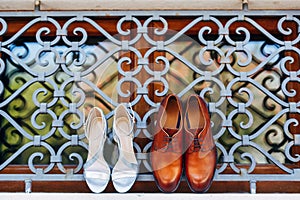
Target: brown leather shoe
201, 153
167, 147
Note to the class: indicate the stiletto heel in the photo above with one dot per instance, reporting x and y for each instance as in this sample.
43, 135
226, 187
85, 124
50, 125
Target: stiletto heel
125, 171
96, 169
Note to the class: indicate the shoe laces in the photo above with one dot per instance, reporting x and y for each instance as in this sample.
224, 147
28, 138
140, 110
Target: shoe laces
196, 144
171, 144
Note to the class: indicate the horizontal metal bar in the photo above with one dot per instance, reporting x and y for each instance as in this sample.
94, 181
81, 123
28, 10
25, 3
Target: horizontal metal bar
149, 177
44, 177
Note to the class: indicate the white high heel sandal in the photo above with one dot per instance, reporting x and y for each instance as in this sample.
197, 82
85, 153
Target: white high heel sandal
125, 171
96, 169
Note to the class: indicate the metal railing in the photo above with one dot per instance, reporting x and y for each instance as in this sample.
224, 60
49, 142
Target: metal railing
61, 69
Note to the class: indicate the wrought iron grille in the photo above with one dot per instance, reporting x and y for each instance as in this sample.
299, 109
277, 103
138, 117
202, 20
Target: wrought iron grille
246, 70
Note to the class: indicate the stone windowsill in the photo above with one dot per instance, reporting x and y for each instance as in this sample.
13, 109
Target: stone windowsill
67, 5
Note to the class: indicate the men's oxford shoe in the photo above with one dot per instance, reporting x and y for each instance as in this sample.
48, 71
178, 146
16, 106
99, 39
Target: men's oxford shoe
200, 149
167, 147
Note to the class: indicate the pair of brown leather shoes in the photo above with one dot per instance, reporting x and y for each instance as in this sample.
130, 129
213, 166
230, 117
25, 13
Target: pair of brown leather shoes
183, 139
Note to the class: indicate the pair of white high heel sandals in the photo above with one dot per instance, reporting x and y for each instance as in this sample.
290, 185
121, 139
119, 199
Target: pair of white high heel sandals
96, 170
